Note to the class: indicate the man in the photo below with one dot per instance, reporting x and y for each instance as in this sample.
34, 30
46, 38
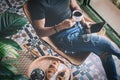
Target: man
54, 18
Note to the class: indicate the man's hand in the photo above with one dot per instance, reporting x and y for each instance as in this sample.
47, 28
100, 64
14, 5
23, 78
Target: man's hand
68, 23
86, 23
87, 27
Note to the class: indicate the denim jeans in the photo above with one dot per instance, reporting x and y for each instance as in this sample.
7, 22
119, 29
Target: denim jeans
75, 40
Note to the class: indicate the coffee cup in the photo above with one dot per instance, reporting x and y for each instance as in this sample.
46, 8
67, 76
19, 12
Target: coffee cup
77, 15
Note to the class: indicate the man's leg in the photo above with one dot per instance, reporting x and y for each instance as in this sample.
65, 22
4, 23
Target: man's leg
109, 67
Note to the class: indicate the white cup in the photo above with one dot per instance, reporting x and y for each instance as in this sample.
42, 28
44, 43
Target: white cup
77, 15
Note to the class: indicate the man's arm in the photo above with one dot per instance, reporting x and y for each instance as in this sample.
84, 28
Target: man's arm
42, 30
86, 20
74, 5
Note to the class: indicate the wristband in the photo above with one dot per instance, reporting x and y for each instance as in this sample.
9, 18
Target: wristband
55, 28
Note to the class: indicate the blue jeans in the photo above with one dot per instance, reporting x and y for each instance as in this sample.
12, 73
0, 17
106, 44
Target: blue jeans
74, 40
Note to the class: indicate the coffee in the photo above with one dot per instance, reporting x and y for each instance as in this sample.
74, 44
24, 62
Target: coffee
77, 15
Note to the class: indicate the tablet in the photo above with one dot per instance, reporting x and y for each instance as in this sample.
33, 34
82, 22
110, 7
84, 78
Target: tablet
97, 27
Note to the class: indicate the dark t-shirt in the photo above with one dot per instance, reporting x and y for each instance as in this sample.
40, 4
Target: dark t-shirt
54, 11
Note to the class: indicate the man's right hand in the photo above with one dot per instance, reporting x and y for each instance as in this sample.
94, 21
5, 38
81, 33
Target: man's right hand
67, 23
